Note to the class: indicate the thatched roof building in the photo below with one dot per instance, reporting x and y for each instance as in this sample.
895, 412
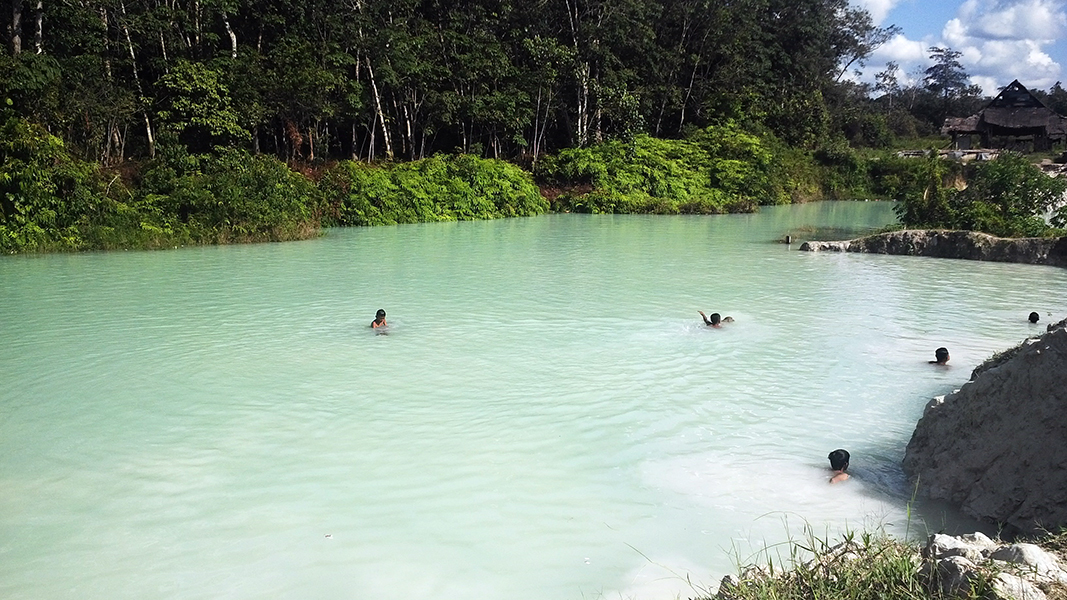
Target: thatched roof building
1015, 119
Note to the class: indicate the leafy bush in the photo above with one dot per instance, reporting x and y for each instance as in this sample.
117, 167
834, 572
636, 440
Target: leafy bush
718, 169
1006, 197
50, 201
231, 196
441, 188
45, 195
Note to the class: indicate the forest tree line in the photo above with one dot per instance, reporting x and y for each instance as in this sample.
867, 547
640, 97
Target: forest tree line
404, 79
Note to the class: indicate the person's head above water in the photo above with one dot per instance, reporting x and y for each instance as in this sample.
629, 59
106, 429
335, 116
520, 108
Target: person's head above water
941, 354
715, 318
839, 459
839, 464
1034, 317
379, 319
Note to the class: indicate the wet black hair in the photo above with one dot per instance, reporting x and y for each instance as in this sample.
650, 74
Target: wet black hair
715, 318
839, 459
1034, 317
380, 313
941, 354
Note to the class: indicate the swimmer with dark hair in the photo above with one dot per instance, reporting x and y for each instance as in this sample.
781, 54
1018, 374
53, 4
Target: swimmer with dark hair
1034, 317
715, 320
379, 319
941, 356
839, 464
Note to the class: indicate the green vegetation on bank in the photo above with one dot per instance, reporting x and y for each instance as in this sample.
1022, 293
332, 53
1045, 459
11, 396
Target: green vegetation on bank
872, 567
1006, 197
50, 201
440, 188
875, 566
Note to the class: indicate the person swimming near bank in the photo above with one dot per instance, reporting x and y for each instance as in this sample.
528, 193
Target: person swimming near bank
1034, 317
715, 320
379, 319
839, 464
940, 356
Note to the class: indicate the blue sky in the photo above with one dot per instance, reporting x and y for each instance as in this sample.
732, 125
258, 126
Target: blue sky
1001, 40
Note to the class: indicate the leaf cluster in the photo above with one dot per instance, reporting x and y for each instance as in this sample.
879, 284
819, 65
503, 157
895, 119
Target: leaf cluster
440, 188
1006, 197
718, 169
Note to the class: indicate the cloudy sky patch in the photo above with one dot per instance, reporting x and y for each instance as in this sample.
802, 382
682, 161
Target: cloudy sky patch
1000, 40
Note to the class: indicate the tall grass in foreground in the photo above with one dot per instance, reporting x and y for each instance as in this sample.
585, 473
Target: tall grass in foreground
868, 566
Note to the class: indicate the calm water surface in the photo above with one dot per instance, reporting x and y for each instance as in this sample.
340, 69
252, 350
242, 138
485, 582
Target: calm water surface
547, 417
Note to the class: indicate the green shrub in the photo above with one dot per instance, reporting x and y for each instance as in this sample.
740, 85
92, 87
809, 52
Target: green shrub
1006, 197
873, 567
718, 169
231, 196
441, 188
45, 195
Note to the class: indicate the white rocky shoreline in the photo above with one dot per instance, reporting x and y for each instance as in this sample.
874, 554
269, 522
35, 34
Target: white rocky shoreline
942, 243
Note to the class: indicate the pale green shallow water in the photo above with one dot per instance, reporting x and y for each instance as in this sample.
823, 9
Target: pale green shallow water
547, 418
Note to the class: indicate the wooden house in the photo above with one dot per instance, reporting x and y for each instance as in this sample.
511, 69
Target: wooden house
1014, 120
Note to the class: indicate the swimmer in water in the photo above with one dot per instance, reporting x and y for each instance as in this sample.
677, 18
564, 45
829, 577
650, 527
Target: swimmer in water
941, 356
839, 464
715, 320
1034, 317
379, 319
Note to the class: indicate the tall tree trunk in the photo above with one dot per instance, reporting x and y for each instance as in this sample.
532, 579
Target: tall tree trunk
582, 75
140, 90
233, 36
354, 156
380, 112
15, 28
688, 93
107, 44
38, 27
537, 121
163, 48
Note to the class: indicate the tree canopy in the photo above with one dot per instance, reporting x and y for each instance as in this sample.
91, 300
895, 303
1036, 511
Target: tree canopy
373, 79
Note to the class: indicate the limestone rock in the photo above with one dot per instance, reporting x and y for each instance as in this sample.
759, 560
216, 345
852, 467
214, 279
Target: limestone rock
956, 574
939, 243
1033, 559
997, 447
1013, 587
944, 546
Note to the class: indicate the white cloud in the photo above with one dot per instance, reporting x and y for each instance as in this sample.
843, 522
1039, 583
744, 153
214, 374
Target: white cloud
901, 50
999, 40
1003, 40
879, 9
1041, 20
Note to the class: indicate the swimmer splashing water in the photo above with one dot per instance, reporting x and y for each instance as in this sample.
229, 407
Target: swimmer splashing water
715, 320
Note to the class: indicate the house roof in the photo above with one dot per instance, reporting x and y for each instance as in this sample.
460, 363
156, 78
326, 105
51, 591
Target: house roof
1016, 111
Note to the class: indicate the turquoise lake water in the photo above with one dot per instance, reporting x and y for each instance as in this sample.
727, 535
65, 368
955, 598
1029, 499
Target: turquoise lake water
547, 417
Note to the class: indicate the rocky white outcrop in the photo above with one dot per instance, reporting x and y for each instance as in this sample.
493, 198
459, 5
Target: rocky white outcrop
1017, 571
997, 447
953, 244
